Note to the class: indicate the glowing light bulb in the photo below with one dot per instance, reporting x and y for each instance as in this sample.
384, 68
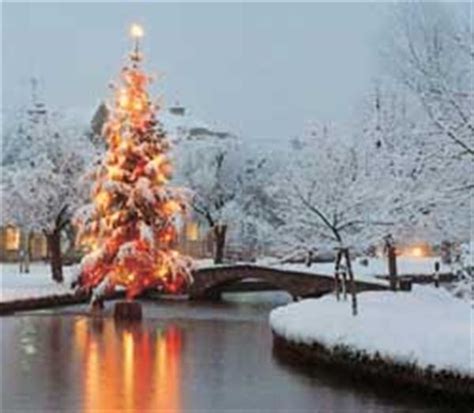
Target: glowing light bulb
102, 199
161, 271
123, 98
171, 207
417, 252
137, 105
114, 172
136, 31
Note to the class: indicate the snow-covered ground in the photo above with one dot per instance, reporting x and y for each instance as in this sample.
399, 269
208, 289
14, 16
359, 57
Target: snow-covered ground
203, 263
427, 326
376, 266
38, 283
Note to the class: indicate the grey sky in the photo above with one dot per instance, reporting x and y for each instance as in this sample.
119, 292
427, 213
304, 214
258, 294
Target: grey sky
261, 70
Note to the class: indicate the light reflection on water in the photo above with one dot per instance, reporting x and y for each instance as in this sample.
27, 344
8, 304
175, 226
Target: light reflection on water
131, 368
184, 357
93, 363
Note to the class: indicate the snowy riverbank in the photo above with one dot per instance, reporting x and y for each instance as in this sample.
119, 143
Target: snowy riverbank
37, 283
427, 327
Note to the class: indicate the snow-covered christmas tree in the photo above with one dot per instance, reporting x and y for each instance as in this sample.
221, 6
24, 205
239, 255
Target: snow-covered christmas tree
130, 227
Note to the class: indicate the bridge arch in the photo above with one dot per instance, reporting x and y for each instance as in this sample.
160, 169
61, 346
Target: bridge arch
211, 282
243, 283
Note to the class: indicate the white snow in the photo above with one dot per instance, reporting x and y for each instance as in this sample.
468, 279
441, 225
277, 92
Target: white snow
38, 283
204, 263
427, 326
146, 233
143, 189
376, 266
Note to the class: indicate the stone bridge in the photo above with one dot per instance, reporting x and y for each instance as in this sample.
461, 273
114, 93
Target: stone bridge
211, 282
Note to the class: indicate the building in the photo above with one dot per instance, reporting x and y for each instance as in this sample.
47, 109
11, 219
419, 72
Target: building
13, 241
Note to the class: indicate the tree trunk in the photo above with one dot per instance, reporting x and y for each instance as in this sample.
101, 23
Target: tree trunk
337, 274
352, 282
391, 251
309, 258
219, 243
54, 248
392, 266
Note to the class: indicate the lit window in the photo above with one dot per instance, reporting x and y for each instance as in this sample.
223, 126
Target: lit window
12, 238
43, 246
38, 245
192, 231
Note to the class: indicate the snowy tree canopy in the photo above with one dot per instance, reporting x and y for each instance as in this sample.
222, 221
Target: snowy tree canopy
430, 52
435, 184
211, 168
42, 168
328, 197
227, 181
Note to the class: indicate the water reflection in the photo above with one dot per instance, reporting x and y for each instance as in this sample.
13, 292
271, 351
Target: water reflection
128, 367
184, 357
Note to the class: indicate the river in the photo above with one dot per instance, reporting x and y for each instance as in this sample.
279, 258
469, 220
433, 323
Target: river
183, 357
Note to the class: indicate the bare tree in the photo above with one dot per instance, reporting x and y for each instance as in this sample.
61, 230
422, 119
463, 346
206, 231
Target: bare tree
430, 51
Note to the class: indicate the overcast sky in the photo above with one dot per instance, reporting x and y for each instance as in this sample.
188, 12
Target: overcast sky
261, 70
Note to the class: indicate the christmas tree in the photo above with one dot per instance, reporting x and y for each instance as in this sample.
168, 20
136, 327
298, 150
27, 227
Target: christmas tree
130, 228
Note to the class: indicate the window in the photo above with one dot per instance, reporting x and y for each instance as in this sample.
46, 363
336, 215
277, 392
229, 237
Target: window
38, 246
12, 238
192, 231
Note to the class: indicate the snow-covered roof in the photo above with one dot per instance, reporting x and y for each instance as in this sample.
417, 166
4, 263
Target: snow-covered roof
181, 125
